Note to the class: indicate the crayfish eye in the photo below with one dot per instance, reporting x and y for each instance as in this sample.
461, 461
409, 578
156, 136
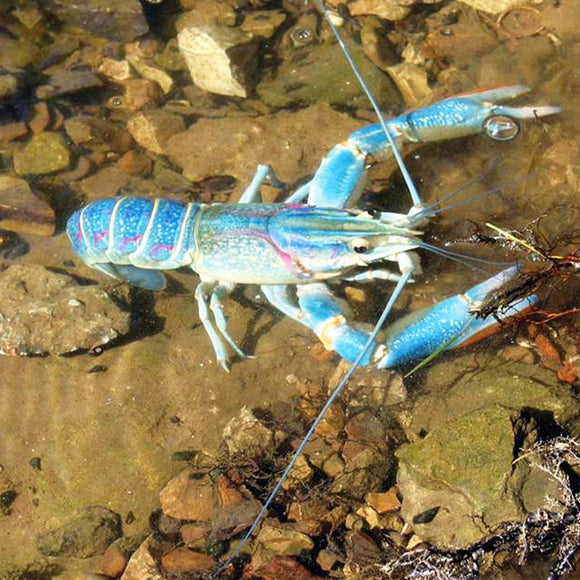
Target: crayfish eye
360, 246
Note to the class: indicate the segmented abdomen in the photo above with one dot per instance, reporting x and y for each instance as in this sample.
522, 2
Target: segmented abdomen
147, 233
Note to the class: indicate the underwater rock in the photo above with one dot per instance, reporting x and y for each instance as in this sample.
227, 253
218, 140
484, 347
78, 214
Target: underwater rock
247, 435
44, 153
152, 129
368, 458
152, 72
281, 568
236, 511
17, 53
515, 386
412, 82
387, 9
320, 73
41, 117
213, 11
283, 541
134, 163
85, 535
195, 535
143, 565
8, 85
139, 94
187, 497
235, 145
383, 502
117, 555
21, 211
116, 70
108, 181
220, 60
182, 560
43, 312
68, 82
492, 6
11, 131
97, 134
122, 21
263, 23
12, 246
459, 482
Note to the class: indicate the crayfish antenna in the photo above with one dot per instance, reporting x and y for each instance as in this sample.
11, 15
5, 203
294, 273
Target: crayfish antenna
415, 197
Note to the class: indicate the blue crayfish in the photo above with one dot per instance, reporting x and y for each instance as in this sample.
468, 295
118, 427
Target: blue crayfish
295, 250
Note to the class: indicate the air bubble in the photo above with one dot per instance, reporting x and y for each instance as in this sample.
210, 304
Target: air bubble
501, 128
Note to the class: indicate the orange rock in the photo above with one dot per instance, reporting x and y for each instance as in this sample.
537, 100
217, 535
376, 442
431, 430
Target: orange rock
135, 163
10, 131
114, 561
546, 349
567, 373
182, 560
40, 117
227, 493
187, 498
384, 502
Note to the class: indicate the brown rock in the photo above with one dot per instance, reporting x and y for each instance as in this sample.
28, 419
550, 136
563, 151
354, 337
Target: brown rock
182, 560
97, 134
326, 559
310, 509
66, 82
107, 181
135, 163
237, 509
332, 423
80, 170
284, 568
116, 70
43, 312
114, 560
187, 498
121, 21
195, 535
139, 94
384, 502
21, 211
228, 495
11, 131
152, 129
40, 117
85, 535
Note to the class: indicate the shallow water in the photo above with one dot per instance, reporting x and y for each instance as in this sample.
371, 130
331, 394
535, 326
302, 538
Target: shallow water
107, 438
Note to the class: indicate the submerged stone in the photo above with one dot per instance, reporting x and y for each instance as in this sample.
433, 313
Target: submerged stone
221, 60
122, 21
21, 211
44, 153
46, 313
67, 82
152, 129
320, 73
85, 535
460, 481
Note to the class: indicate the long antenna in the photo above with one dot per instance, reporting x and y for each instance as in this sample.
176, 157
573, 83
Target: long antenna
356, 364
415, 197
372, 337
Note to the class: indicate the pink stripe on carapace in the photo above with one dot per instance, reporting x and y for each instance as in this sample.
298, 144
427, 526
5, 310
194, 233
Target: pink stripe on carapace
291, 263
